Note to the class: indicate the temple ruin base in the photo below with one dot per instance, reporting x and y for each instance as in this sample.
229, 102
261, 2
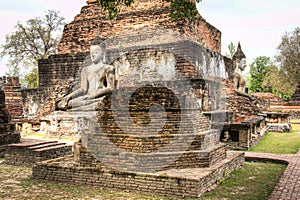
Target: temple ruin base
179, 183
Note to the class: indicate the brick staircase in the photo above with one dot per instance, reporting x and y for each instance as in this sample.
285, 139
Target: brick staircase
30, 151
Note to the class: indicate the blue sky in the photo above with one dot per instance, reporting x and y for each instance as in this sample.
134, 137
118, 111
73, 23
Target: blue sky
257, 24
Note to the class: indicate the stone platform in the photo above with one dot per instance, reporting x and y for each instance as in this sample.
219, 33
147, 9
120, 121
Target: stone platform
30, 151
178, 183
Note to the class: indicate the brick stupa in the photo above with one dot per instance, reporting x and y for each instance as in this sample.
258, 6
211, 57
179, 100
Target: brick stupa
182, 156
142, 14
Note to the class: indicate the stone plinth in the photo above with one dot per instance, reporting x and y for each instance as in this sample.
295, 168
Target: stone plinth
150, 126
278, 122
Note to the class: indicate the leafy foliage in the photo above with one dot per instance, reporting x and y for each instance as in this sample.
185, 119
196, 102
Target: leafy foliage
283, 79
179, 8
182, 9
278, 83
112, 7
232, 50
288, 57
282, 76
258, 71
31, 80
33, 40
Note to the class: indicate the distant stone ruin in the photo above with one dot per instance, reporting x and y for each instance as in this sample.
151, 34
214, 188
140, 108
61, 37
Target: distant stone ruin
279, 122
296, 96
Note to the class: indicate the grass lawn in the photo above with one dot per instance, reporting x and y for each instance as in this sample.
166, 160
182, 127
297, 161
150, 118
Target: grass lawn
295, 120
281, 143
255, 180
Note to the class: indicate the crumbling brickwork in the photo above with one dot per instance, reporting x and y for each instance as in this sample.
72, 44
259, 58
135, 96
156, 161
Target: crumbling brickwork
13, 97
30, 151
144, 13
243, 107
8, 133
203, 62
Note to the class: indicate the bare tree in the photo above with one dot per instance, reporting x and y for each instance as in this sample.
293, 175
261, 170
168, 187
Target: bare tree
33, 40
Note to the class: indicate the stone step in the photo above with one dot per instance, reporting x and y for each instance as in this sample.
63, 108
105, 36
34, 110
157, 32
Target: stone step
29, 151
45, 145
56, 147
26, 143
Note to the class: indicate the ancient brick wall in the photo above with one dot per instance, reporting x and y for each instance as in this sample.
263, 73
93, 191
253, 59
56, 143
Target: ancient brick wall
243, 107
144, 13
268, 100
179, 116
229, 67
203, 62
13, 98
57, 68
40, 102
8, 133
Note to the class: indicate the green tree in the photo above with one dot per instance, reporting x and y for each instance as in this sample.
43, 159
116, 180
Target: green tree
258, 71
278, 82
288, 57
282, 78
179, 8
31, 80
33, 40
231, 49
